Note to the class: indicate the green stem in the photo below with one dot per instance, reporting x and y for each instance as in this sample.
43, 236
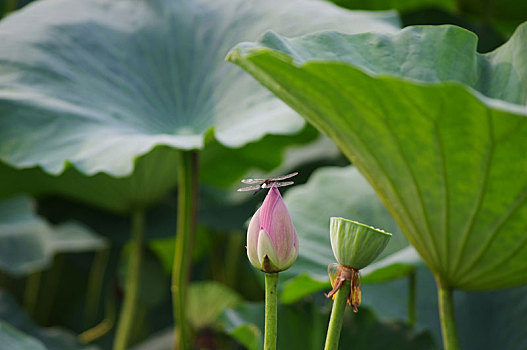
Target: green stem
186, 228
411, 299
49, 290
271, 298
447, 317
104, 326
234, 247
337, 316
95, 284
31, 292
131, 293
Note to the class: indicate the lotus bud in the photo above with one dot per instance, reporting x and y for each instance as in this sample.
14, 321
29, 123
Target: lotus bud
355, 246
272, 242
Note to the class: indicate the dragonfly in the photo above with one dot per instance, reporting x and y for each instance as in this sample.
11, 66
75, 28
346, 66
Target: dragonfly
259, 184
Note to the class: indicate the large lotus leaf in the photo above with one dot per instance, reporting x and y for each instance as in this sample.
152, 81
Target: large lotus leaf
121, 195
20, 325
13, 339
28, 243
303, 326
96, 84
437, 129
333, 191
220, 166
486, 320
503, 326
114, 194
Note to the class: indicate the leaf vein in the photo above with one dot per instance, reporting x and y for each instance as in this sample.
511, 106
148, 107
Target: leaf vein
479, 199
511, 211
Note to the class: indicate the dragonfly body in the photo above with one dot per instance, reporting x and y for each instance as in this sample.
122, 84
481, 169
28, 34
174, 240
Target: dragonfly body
259, 184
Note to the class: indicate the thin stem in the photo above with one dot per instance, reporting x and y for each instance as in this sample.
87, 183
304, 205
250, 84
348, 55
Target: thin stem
447, 317
271, 300
186, 228
104, 326
31, 292
95, 284
49, 290
337, 316
411, 299
234, 244
131, 293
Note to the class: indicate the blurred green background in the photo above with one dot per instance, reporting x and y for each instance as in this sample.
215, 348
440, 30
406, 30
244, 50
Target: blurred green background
65, 240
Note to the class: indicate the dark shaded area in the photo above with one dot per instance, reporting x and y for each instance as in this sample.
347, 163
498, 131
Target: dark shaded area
492, 21
489, 37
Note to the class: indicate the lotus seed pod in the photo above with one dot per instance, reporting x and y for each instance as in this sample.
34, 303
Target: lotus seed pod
354, 244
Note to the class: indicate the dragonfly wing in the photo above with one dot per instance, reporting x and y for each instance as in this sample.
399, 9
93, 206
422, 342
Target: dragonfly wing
252, 181
282, 184
283, 177
249, 188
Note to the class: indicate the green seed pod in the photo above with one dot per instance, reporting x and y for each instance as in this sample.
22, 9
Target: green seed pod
354, 244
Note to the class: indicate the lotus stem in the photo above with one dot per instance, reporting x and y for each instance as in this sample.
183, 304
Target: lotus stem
131, 293
337, 316
447, 317
49, 290
31, 292
104, 326
186, 228
232, 257
95, 285
271, 305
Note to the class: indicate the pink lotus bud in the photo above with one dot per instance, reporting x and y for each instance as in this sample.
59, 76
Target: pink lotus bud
272, 242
